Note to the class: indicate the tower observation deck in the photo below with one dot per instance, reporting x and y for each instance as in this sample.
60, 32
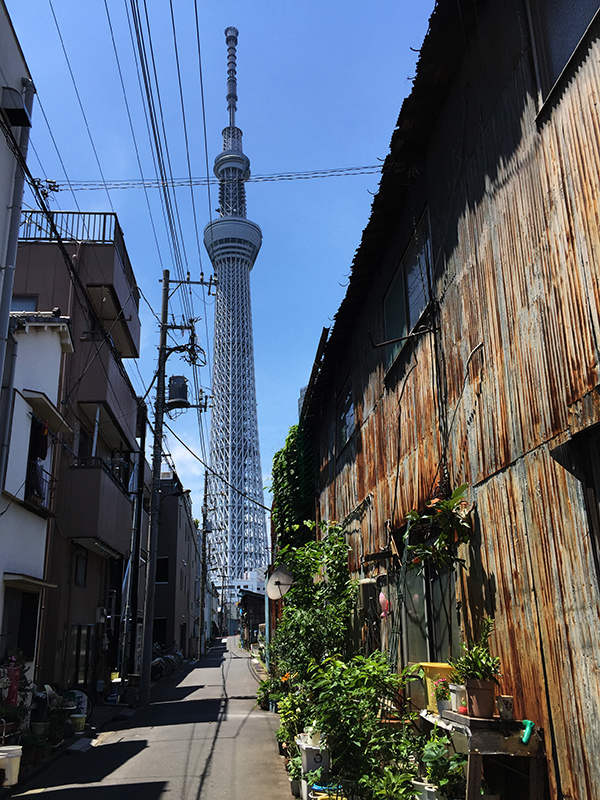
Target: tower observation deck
238, 542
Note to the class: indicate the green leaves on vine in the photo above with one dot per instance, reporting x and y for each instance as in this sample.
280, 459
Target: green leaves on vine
433, 536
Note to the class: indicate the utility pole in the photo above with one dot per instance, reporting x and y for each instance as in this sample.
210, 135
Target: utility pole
137, 543
159, 411
203, 570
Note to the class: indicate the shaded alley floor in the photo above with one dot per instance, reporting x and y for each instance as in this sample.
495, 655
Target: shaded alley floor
201, 737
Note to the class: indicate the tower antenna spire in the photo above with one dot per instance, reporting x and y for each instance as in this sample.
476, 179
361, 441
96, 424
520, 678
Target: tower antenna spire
239, 535
231, 35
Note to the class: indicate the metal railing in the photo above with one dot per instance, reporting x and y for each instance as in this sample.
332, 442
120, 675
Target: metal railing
117, 470
39, 485
96, 227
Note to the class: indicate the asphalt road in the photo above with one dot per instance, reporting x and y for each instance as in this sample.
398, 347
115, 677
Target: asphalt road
201, 738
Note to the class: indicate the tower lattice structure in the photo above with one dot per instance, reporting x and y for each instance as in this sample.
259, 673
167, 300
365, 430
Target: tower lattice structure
238, 541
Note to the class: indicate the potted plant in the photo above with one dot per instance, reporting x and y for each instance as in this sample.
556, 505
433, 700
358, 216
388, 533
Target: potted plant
392, 784
294, 768
443, 771
262, 694
478, 670
13, 716
441, 692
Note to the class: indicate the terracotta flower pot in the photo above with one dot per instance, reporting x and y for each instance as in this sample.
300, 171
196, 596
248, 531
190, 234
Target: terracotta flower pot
480, 698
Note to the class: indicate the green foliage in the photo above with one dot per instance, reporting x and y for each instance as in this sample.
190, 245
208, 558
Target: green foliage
294, 768
391, 784
477, 662
14, 714
433, 537
444, 770
441, 688
262, 694
317, 608
293, 717
347, 697
292, 478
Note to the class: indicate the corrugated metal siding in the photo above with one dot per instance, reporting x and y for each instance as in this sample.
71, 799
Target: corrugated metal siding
517, 234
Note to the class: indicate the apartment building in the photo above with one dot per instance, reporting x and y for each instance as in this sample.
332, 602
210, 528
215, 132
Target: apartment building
77, 264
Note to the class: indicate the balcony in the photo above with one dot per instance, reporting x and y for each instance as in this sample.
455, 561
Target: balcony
39, 488
103, 266
103, 388
100, 511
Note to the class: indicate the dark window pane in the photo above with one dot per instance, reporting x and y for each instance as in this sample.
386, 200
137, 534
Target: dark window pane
562, 24
162, 569
395, 314
345, 417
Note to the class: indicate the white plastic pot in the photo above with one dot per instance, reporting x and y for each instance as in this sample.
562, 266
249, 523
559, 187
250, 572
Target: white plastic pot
10, 762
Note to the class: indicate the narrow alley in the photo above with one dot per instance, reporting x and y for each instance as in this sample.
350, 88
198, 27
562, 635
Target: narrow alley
201, 737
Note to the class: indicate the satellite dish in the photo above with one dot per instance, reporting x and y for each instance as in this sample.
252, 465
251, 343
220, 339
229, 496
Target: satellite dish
280, 582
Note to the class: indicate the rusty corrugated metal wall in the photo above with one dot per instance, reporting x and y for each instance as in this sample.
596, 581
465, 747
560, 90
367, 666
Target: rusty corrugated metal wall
513, 197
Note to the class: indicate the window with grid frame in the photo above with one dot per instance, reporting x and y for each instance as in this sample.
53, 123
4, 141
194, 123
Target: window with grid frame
345, 416
557, 28
409, 292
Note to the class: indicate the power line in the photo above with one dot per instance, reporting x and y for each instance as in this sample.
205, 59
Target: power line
80, 103
135, 144
215, 473
134, 183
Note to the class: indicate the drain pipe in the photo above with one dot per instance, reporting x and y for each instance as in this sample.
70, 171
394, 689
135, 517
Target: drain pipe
11, 257
7, 403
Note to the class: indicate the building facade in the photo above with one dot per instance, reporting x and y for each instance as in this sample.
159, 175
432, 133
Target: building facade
37, 343
78, 264
177, 598
16, 101
466, 352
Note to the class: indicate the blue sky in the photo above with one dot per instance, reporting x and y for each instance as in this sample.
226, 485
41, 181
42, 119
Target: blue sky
320, 86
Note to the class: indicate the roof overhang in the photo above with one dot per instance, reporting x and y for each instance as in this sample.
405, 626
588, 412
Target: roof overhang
45, 409
45, 321
18, 580
97, 546
110, 429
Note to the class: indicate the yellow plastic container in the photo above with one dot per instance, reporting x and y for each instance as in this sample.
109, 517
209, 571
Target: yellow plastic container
434, 670
78, 721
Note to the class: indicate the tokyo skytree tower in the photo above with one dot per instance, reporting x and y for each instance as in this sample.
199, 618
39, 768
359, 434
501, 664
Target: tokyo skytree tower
238, 542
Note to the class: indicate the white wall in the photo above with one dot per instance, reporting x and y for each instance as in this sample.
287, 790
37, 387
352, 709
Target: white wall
38, 361
37, 368
23, 540
14, 69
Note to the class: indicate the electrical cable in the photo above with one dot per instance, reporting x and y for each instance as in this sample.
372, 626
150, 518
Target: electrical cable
131, 128
209, 181
214, 472
80, 104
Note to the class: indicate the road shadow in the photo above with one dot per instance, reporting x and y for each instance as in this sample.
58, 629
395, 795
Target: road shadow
126, 791
179, 692
91, 767
178, 712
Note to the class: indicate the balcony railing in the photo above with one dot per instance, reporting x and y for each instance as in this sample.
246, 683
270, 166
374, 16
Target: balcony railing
39, 485
73, 226
118, 469
100, 512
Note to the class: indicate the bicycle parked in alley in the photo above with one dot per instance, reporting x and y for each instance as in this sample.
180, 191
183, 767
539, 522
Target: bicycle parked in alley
164, 661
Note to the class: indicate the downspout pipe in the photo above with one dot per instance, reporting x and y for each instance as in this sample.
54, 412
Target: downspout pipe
8, 277
7, 402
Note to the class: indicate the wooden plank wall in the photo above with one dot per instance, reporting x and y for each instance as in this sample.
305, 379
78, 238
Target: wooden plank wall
514, 208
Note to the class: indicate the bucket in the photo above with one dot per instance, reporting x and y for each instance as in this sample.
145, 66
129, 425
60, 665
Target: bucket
10, 761
78, 721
